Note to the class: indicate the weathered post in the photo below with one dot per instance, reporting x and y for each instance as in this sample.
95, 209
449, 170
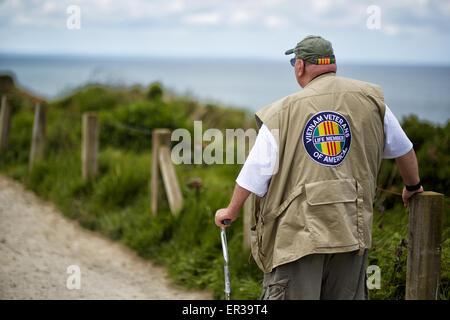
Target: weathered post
5, 122
89, 148
248, 212
160, 137
424, 246
170, 180
39, 134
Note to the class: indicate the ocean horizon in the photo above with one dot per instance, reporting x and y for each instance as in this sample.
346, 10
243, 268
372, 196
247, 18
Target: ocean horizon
251, 84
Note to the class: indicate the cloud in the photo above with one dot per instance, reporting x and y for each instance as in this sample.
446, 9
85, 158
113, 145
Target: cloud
266, 13
321, 5
207, 18
239, 17
273, 21
236, 25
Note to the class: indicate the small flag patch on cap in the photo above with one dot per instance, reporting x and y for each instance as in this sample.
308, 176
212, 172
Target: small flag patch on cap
325, 61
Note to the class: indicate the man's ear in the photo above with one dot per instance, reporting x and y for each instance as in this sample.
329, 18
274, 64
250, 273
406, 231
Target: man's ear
301, 68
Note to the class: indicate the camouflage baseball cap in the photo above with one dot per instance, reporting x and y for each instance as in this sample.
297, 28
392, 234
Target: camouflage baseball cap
314, 49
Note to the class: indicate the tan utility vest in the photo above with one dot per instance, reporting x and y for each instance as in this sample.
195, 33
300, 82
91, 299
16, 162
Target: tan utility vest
330, 143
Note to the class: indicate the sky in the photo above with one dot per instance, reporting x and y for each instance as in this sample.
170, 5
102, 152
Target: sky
377, 31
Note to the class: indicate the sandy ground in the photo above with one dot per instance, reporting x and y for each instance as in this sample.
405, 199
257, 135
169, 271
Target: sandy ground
38, 244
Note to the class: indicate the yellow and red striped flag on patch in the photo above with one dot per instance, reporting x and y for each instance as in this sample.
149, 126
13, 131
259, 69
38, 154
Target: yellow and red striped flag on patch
329, 128
324, 61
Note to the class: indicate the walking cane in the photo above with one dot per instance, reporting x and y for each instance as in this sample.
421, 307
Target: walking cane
223, 236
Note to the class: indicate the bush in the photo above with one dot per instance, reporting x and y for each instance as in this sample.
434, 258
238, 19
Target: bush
97, 98
130, 126
19, 143
155, 91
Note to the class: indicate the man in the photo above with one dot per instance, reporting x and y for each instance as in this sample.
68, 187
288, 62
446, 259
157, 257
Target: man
313, 212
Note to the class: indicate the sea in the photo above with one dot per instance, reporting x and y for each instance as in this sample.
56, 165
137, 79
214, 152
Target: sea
243, 83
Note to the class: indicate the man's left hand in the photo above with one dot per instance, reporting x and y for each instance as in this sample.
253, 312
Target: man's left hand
406, 195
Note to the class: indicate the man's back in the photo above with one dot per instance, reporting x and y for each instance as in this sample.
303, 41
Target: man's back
330, 146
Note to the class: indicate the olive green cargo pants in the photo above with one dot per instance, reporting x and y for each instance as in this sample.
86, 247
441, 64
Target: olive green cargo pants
336, 276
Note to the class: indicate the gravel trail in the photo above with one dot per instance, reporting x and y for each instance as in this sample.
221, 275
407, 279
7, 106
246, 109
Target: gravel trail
38, 244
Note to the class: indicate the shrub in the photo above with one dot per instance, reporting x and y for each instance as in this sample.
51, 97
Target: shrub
155, 91
129, 126
97, 98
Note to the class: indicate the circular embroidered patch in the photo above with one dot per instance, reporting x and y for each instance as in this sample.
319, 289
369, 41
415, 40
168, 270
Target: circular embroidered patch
327, 138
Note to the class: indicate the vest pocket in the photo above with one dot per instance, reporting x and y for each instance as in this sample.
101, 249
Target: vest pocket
267, 224
331, 213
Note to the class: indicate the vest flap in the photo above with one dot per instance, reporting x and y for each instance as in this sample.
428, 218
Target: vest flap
331, 191
298, 190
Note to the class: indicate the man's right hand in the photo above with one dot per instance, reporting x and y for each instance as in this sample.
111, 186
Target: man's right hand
406, 195
223, 214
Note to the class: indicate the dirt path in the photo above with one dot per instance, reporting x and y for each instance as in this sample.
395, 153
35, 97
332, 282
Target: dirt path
38, 244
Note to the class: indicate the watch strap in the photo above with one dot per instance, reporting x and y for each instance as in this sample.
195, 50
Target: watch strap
415, 187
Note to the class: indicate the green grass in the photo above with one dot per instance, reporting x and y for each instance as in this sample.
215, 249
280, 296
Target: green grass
116, 202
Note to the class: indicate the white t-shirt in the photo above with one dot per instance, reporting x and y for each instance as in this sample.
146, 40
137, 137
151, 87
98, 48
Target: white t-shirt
258, 169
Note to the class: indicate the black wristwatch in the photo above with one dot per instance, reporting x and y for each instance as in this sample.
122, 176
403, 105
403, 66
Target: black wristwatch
415, 187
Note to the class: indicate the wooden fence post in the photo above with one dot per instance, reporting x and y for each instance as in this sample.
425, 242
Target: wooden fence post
424, 246
160, 137
171, 185
5, 122
248, 212
89, 148
38, 137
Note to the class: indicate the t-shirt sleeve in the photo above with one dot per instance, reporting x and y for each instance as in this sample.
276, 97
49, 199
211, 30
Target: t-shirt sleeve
258, 169
396, 143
